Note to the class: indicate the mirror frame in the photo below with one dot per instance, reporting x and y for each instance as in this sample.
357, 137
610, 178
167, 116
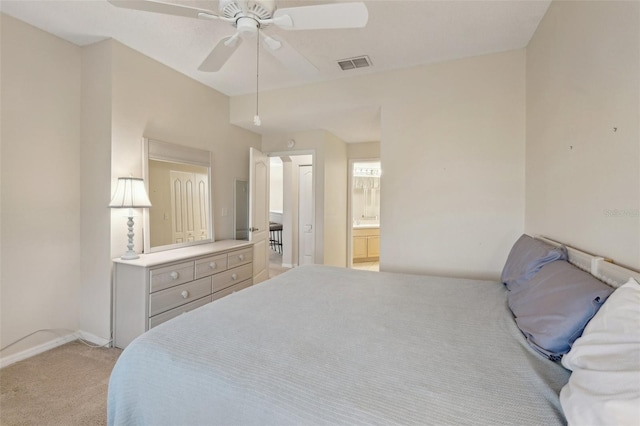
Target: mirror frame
163, 151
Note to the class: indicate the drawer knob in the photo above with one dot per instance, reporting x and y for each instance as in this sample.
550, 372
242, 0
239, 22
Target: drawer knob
174, 275
241, 257
212, 265
234, 277
185, 294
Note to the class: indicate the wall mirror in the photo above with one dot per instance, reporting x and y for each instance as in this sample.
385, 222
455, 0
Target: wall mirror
178, 182
365, 197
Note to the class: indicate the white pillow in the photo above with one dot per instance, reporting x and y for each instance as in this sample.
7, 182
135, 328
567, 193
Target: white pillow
604, 388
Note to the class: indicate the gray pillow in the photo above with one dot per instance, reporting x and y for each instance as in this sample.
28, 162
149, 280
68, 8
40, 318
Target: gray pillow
526, 258
553, 308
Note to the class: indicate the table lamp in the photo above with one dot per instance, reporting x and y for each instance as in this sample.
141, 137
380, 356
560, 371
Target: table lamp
130, 193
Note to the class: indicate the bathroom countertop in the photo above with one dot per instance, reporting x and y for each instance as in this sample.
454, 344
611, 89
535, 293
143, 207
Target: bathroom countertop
367, 226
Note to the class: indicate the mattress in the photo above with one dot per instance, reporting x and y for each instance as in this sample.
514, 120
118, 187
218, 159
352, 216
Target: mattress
324, 345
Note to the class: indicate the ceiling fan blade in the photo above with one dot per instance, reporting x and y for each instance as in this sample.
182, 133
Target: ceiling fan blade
221, 53
322, 16
289, 57
166, 8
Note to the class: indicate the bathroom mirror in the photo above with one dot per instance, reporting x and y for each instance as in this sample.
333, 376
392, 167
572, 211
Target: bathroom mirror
365, 203
241, 203
178, 180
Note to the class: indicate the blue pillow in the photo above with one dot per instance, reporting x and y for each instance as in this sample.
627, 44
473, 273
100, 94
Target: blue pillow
553, 308
526, 258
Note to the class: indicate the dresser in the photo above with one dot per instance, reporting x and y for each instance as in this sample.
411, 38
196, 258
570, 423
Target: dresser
159, 286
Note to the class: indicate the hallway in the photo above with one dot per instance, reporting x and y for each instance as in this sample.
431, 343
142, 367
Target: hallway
275, 264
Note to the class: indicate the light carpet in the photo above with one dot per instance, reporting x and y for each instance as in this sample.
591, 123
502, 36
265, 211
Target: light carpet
64, 386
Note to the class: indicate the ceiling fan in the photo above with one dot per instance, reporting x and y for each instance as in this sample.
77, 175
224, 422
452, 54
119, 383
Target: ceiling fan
250, 17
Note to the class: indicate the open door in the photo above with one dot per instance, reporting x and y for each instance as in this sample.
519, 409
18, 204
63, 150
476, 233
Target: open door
259, 213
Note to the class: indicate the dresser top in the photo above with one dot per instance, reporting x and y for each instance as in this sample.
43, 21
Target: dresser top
157, 258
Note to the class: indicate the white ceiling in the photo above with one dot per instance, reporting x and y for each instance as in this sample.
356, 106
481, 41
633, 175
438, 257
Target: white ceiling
399, 34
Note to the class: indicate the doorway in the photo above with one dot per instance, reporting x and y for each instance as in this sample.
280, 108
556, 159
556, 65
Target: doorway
364, 210
291, 212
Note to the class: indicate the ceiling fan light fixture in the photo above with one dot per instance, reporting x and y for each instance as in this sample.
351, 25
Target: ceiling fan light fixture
247, 26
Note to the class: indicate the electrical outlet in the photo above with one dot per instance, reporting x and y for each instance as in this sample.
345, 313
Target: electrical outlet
225, 211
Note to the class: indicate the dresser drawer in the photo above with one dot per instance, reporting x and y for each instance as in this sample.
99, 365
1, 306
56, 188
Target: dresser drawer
227, 291
170, 276
230, 277
178, 295
240, 257
211, 265
166, 316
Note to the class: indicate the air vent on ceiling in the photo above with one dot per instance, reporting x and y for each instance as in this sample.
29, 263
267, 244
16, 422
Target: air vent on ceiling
351, 63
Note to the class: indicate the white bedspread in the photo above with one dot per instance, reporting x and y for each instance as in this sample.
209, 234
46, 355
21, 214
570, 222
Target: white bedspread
323, 345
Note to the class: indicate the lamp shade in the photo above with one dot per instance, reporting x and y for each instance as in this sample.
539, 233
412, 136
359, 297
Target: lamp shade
131, 193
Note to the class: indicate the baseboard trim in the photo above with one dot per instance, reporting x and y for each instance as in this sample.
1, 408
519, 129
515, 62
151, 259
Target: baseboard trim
70, 337
288, 265
28, 353
92, 338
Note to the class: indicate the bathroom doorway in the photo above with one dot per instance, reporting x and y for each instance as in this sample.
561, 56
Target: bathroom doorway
364, 211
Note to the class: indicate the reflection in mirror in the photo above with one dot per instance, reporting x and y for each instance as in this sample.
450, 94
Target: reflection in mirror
366, 193
241, 202
178, 180
179, 195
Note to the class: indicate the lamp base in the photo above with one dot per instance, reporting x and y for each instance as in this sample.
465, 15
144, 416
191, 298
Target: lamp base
130, 255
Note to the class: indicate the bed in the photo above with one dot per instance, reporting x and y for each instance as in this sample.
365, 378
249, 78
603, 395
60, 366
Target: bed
326, 345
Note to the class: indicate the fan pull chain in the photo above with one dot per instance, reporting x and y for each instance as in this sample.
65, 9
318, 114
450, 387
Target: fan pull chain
256, 118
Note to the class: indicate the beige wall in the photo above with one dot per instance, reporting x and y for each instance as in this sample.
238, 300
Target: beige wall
73, 121
363, 150
40, 115
276, 182
335, 201
452, 151
583, 128
95, 189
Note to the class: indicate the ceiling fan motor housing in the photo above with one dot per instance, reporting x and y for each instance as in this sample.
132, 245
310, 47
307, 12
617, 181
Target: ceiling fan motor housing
259, 9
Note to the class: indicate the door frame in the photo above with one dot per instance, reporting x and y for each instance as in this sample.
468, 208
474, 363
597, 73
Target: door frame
350, 202
294, 153
259, 236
